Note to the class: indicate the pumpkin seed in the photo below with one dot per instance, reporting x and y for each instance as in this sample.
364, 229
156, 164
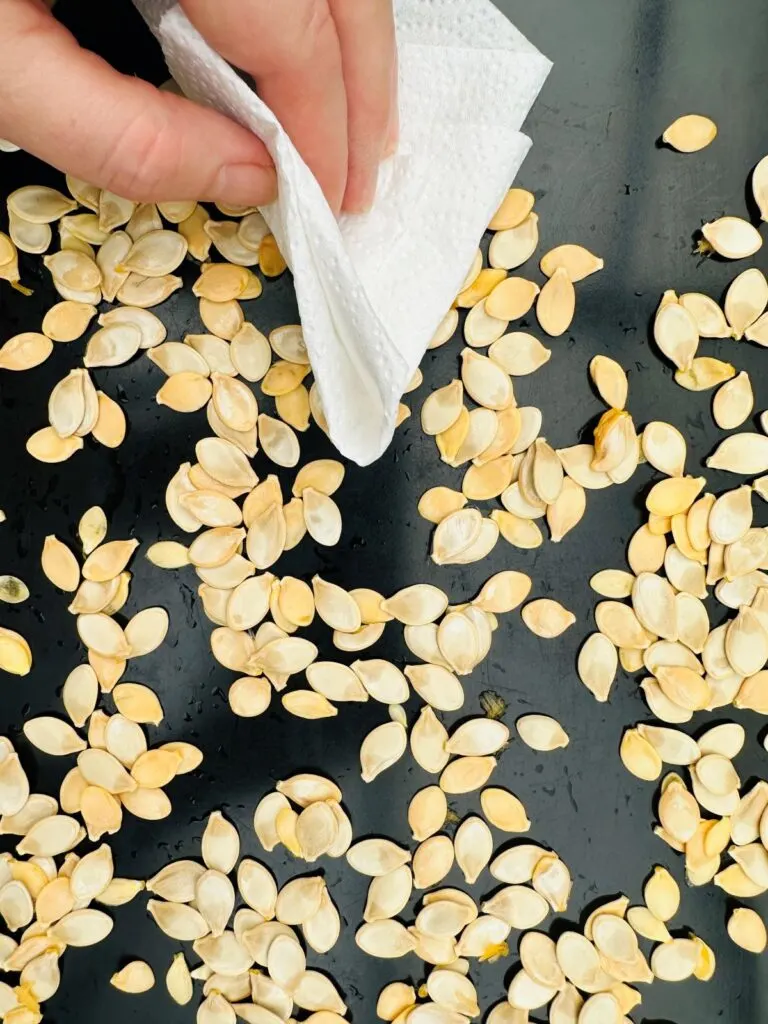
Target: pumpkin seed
511, 247
381, 748
745, 300
577, 261
136, 977
741, 453
675, 960
39, 204
376, 857
25, 351
547, 618
732, 237
12, 590
597, 665
466, 774
709, 317
514, 208
747, 929
556, 303
82, 927
178, 981
690, 133
426, 812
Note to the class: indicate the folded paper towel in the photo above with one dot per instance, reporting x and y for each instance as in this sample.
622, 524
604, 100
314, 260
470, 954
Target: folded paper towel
372, 288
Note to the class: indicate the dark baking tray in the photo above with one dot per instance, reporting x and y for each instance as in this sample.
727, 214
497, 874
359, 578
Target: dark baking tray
622, 72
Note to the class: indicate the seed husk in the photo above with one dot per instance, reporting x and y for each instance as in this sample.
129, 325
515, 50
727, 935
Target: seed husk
445, 329
478, 285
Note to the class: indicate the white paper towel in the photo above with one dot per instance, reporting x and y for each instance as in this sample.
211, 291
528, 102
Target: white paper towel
372, 288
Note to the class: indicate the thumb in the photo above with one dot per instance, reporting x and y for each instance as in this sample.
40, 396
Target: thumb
117, 132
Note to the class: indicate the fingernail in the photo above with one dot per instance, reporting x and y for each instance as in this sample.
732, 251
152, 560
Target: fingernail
393, 133
246, 185
364, 195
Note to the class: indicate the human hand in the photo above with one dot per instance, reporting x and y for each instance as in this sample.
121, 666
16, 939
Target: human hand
325, 67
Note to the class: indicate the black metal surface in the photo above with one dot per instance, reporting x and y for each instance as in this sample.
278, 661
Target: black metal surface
622, 73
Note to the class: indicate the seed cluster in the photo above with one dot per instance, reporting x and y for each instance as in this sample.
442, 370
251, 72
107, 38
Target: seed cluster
250, 936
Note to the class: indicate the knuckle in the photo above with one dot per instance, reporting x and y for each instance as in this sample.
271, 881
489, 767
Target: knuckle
141, 158
312, 28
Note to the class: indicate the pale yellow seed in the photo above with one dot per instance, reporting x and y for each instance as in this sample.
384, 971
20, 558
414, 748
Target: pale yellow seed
690, 133
556, 303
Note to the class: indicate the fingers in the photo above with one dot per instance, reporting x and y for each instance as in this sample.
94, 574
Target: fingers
70, 108
366, 31
293, 53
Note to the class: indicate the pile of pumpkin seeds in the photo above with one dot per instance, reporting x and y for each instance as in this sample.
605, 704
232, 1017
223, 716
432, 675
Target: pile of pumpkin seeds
695, 540
195, 903
116, 771
122, 252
